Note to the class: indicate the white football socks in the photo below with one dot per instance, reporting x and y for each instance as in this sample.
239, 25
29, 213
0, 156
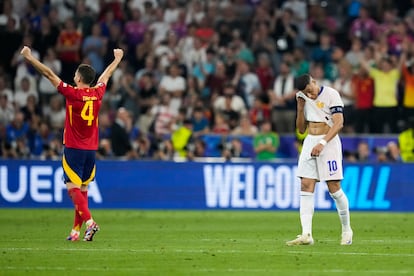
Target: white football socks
306, 210
342, 206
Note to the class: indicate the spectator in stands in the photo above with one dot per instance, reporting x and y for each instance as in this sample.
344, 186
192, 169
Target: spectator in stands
363, 152
151, 64
199, 122
364, 27
25, 90
195, 11
5, 89
318, 73
179, 27
119, 136
46, 37
40, 139
8, 12
158, 26
168, 51
230, 105
143, 50
46, 89
202, 69
386, 78
32, 110
22, 67
197, 149
68, 48
220, 125
299, 64
285, 31
147, 92
406, 142
319, 23
129, 94
322, 53
165, 150
264, 71
355, 54
396, 37
215, 81
181, 137
17, 128
262, 41
174, 85
163, 117
407, 68
233, 149
134, 30
247, 83
245, 127
94, 48
104, 150
283, 101
393, 152
13, 38
260, 111
388, 153
266, 142
343, 85
114, 40
142, 146
85, 18
6, 110
363, 90
56, 113
172, 11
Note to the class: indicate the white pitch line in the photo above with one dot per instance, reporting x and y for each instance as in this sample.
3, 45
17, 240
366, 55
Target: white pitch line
354, 253
210, 269
202, 251
62, 268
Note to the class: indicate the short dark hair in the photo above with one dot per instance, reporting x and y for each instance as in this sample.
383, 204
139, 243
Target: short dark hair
87, 73
302, 81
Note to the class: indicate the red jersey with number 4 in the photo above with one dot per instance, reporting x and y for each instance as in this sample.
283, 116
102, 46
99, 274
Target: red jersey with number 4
82, 109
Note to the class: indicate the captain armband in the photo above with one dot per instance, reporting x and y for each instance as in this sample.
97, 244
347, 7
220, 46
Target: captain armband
337, 109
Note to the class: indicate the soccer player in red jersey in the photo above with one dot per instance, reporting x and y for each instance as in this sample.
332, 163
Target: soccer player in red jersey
80, 138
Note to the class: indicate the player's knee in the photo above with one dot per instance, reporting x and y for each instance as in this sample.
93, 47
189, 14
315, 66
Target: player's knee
334, 186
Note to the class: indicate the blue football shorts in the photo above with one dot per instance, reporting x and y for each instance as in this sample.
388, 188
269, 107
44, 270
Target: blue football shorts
78, 166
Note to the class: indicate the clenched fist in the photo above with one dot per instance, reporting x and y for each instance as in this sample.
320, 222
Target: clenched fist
26, 51
118, 53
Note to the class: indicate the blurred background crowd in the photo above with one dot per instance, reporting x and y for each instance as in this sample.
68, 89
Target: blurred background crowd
199, 69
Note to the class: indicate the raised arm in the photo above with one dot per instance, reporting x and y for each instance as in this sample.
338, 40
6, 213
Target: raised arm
26, 52
104, 77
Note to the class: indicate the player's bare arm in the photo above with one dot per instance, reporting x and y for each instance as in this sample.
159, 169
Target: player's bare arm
300, 117
338, 123
26, 52
107, 73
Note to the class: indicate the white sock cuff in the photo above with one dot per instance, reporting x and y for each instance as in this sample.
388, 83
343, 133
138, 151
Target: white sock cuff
337, 194
303, 193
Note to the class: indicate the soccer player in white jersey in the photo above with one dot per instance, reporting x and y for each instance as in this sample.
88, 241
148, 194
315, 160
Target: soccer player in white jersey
320, 111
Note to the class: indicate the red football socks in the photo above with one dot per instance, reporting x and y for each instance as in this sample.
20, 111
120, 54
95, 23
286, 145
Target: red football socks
80, 201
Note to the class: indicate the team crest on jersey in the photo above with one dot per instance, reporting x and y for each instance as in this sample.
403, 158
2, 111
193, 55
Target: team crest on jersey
320, 104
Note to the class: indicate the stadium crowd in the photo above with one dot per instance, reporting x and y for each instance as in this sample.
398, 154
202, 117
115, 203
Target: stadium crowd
196, 68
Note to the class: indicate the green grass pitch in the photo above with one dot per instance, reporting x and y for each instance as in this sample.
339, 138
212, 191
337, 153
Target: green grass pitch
136, 242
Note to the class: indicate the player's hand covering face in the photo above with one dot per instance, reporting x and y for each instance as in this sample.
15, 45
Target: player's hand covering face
311, 90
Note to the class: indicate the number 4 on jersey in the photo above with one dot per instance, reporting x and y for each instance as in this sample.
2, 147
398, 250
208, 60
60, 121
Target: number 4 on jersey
87, 112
